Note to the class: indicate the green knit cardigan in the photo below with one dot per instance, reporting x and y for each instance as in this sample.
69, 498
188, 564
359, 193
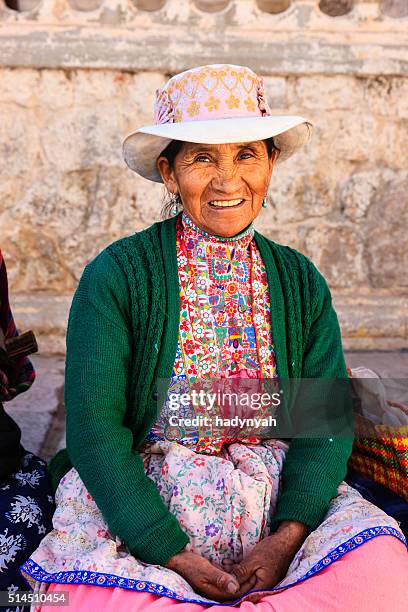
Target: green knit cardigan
122, 338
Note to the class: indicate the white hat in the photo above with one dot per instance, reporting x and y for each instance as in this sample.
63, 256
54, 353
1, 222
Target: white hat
214, 104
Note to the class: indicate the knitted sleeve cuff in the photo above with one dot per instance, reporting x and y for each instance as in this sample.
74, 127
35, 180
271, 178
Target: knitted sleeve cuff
299, 506
162, 543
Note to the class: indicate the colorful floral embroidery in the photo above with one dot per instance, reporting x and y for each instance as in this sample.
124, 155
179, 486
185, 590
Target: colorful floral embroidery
225, 324
224, 304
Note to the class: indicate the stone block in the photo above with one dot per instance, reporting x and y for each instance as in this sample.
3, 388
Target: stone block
358, 191
85, 5
273, 6
139, 97
55, 90
335, 8
372, 320
47, 316
338, 253
335, 92
90, 87
356, 194
37, 261
19, 87
287, 234
389, 137
210, 6
354, 136
382, 93
276, 92
297, 197
82, 138
20, 150
386, 227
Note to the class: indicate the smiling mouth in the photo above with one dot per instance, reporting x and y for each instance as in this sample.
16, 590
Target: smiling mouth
225, 203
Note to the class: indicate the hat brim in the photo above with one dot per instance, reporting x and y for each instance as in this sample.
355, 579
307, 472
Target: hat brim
142, 147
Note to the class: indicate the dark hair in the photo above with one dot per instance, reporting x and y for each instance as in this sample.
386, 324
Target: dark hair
170, 152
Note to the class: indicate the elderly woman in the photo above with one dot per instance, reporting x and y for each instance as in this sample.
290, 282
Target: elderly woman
166, 513
26, 503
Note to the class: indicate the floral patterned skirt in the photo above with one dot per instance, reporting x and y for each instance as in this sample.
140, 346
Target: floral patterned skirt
224, 502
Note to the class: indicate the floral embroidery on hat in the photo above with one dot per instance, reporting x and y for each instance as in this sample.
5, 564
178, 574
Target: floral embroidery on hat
232, 101
193, 109
205, 91
212, 103
249, 103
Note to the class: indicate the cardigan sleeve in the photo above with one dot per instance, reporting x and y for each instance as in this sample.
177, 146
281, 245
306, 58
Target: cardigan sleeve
315, 467
99, 444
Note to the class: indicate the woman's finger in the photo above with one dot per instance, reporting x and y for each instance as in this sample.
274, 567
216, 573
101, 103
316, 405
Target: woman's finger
223, 581
250, 584
243, 571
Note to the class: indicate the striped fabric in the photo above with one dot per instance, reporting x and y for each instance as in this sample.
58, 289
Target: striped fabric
381, 454
383, 459
26, 371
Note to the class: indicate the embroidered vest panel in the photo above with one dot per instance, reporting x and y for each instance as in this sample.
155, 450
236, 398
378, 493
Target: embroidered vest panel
225, 324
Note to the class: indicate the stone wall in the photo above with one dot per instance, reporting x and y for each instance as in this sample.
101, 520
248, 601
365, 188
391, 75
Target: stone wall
71, 90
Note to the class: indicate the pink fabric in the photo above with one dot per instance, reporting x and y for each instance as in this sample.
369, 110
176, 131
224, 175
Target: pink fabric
217, 91
372, 577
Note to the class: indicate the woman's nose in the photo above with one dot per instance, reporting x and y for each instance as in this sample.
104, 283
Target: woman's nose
226, 178
225, 165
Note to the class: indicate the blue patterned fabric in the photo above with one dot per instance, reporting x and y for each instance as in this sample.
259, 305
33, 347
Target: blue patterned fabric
382, 497
26, 509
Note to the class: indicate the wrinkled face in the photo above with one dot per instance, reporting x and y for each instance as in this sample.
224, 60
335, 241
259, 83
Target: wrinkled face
221, 186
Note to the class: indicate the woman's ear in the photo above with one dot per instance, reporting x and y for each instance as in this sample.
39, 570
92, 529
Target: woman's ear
167, 174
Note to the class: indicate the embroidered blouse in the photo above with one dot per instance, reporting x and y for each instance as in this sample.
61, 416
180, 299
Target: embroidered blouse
225, 325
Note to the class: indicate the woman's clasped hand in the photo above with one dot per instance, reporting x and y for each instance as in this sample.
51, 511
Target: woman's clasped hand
205, 577
262, 569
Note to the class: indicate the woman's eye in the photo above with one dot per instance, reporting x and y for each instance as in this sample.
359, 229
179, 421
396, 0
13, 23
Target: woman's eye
201, 157
250, 155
